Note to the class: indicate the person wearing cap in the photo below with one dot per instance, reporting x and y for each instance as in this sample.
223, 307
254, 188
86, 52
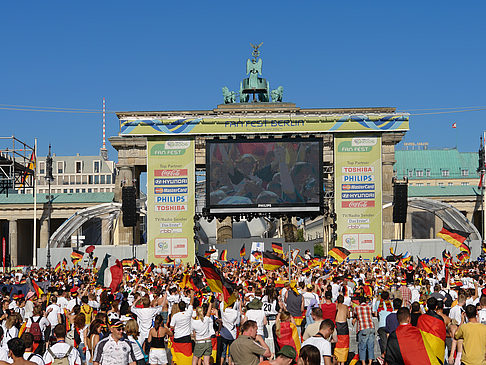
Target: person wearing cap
29, 304
256, 313
61, 349
285, 356
114, 349
248, 347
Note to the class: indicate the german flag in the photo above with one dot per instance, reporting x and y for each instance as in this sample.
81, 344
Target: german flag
463, 257
424, 266
181, 352
277, 248
95, 261
339, 253
76, 256
127, 262
138, 264
433, 332
38, 291
224, 255
446, 255
465, 248
187, 282
354, 360
209, 253
57, 268
64, 264
22, 329
217, 283
305, 270
454, 236
342, 346
242, 251
257, 255
272, 261
408, 346
150, 268
168, 260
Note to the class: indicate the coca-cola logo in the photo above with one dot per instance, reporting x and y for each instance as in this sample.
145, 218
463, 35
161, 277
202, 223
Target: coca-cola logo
358, 204
172, 172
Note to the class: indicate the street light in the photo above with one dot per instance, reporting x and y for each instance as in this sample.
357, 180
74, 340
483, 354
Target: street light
49, 178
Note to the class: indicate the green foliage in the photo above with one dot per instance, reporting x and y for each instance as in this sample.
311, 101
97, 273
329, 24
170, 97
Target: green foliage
318, 250
300, 235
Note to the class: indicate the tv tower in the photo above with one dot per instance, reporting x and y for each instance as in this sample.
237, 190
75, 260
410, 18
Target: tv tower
103, 150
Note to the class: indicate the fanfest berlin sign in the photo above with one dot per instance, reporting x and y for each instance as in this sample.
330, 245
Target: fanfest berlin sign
358, 193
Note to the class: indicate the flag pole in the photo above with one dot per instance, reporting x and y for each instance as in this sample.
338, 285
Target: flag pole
290, 264
34, 187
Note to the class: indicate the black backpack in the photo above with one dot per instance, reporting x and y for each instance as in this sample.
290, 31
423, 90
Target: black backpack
448, 300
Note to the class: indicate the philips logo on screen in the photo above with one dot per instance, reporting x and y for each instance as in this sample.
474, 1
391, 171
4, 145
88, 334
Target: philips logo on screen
181, 181
175, 190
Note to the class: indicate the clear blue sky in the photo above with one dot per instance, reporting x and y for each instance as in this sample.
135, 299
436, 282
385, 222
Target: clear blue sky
161, 55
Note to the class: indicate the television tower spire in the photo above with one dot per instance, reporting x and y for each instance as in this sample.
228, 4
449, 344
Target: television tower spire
103, 150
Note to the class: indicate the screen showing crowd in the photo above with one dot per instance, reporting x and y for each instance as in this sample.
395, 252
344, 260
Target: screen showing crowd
269, 172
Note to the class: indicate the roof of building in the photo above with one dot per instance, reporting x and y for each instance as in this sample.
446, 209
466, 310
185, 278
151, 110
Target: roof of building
436, 161
58, 198
87, 164
432, 191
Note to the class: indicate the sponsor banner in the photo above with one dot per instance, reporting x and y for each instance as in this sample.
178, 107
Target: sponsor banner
264, 124
170, 173
358, 186
358, 193
181, 181
171, 200
358, 178
171, 190
370, 195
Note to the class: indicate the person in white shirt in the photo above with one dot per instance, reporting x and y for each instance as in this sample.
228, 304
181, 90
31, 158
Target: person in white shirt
146, 314
321, 341
230, 318
457, 312
53, 312
202, 334
180, 323
61, 348
29, 355
256, 313
29, 305
63, 300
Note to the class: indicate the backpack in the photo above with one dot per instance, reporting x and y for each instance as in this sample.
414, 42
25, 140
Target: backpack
64, 360
448, 300
36, 330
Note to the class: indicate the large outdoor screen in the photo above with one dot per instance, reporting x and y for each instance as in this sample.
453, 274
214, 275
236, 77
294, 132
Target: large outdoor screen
264, 176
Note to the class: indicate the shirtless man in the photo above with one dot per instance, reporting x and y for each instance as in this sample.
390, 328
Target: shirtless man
342, 346
16, 349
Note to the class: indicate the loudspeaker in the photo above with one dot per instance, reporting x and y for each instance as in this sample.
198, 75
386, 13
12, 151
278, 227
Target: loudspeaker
400, 203
129, 206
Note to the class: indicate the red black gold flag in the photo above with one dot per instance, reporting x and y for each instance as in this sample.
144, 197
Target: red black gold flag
339, 253
168, 260
224, 255
272, 261
454, 237
217, 282
138, 264
181, 352
424, 266
354, 360
433, 332
257, 255
76, 256
209, 253
446, 255
38, 291
57, 268
127, 262
407, 346
242, 251
342, 345
64, 264
277, 248
462, 256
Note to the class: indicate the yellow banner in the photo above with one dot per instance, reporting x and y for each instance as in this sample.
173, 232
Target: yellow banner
265, 124
170, 199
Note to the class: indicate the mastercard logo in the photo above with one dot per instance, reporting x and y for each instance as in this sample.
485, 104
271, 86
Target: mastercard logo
346, 187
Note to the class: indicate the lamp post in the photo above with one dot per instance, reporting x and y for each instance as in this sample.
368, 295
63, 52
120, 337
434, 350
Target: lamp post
49, 178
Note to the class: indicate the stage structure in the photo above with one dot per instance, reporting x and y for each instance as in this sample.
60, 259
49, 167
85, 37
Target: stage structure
261, 158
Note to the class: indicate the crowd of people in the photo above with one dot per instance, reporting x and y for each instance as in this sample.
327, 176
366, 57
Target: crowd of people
416, 313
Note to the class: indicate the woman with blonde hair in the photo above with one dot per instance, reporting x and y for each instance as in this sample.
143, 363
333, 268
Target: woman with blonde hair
202, 334
9, 329
286, 331
132, 331
158, 354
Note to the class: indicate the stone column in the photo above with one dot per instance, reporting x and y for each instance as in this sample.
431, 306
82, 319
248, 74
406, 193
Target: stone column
13, 241
124, 178
224, 230
105, 231
44, 236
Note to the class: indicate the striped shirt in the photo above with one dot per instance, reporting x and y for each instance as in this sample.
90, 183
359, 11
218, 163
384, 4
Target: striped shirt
111, 352
364, 316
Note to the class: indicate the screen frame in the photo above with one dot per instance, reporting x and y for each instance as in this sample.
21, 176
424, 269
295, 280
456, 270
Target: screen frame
282, 208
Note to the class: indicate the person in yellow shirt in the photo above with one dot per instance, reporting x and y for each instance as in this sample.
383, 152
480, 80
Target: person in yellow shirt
474, 335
